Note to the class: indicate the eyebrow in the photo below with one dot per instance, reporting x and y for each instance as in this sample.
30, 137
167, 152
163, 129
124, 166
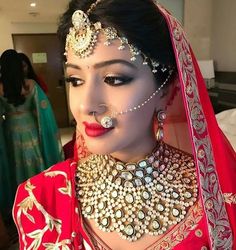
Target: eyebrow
103, 64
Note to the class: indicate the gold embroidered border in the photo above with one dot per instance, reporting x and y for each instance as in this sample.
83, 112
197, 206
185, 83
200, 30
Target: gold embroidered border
213, 200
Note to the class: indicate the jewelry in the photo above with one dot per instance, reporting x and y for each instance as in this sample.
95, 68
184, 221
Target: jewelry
108, 120
93, 5
82, 38
139, 106
134, 199
161, 116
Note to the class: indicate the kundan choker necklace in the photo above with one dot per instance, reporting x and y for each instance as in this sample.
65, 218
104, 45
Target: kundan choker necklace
137, 198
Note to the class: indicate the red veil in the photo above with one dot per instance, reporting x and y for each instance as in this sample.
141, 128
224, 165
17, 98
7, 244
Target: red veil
191, 126
214, 156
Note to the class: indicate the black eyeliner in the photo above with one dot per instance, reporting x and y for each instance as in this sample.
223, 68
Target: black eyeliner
124, 80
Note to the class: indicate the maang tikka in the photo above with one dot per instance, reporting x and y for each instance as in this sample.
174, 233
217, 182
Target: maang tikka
82, 39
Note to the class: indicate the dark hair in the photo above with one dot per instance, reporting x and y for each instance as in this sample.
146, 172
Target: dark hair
30, 73
139, 21
12, 77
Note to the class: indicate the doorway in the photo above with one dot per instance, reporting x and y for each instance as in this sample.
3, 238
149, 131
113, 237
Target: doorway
44, 52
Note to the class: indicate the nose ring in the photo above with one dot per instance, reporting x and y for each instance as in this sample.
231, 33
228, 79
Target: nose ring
106, 121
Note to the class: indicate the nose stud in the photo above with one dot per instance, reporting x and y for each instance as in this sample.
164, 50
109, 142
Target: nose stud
106, 121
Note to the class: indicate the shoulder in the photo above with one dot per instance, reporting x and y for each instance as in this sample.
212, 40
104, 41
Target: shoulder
55, 174
41, 202
49, 184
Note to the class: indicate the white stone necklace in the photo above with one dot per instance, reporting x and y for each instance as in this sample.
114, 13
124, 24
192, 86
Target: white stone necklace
134, 199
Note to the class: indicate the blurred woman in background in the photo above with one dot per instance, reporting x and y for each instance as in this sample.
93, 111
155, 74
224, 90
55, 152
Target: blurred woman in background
29, 127
30, 73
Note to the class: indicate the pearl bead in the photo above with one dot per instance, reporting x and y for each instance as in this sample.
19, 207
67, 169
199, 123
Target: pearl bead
108, 195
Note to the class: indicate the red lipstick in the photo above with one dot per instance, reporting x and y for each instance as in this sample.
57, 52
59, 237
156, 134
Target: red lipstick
95, 129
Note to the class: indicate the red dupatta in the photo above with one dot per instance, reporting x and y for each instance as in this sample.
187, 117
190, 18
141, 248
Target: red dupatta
215, 158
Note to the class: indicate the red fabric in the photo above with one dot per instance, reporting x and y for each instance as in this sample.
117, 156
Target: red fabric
38, 205
215, 157
224, 155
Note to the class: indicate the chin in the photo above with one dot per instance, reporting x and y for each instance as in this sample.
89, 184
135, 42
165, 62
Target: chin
96, 148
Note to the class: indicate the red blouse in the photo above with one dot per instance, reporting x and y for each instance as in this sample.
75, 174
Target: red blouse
47, 214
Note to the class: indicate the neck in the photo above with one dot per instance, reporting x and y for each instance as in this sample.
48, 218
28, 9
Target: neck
130, 154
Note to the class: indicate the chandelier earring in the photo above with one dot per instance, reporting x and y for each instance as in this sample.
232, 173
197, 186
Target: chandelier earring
161, 116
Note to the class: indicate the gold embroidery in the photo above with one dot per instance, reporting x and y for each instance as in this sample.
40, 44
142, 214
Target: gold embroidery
44, 104
51, 223
52, 246
64, 190
230, 198
216, 214
198, 233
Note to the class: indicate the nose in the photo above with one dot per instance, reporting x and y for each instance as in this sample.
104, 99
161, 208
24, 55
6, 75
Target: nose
91, 98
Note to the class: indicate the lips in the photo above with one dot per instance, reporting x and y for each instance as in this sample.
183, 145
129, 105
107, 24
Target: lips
95, 129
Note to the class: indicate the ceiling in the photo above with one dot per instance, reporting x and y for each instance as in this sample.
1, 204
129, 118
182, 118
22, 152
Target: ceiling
46, 11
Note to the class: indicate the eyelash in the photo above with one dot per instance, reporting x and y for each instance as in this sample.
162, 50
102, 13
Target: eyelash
110, 80
122, 80
74, 81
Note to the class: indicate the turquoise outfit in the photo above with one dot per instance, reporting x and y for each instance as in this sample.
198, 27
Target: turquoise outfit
31, 139
7, 183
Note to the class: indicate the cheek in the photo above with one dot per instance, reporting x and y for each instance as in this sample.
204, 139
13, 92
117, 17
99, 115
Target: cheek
73, 102
138, 121
134, 96
125, 101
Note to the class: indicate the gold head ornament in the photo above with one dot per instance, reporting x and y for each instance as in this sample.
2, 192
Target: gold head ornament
83, 35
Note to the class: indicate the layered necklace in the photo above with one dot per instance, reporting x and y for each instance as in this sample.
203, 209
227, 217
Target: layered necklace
133, 199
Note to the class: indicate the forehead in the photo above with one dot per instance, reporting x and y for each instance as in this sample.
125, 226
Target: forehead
102, 52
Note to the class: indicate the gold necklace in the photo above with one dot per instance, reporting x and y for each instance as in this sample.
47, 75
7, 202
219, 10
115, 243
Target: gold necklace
137, 198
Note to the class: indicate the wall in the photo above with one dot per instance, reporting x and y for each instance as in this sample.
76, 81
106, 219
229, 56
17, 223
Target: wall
198, 26
224, 35
211, 29
176, 7
7, 29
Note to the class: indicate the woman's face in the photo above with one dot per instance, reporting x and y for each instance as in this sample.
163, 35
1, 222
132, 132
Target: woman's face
25, 68
109, 77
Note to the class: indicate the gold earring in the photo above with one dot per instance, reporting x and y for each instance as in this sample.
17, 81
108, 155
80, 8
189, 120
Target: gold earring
161, 116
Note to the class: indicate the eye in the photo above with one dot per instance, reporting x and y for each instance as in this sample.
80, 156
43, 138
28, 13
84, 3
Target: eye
117, 80
74, 81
